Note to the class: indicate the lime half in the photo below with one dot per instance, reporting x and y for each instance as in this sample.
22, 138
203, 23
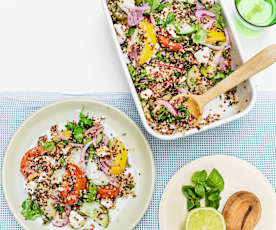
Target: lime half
205, 219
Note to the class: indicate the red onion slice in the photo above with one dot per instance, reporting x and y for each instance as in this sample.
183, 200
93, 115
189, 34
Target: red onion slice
199, 6
181, 90
76, 145
82, 156
168, 66
65, 219
93, 128
168, 106
96, 135
135, 14
204, 13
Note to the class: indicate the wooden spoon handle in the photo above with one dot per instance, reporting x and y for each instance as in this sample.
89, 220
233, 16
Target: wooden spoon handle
259, 62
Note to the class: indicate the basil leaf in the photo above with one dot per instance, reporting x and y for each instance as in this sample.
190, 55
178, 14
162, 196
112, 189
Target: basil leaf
188, 192
49, 146
92, 192
199, 177
190, 204
197, 203
215, 180
200, 190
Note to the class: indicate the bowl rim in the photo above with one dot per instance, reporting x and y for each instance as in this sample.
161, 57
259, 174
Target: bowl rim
77, 99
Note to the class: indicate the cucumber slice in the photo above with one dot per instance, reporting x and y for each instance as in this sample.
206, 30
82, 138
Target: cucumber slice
97, 212
184, 28
218, 77
193, 76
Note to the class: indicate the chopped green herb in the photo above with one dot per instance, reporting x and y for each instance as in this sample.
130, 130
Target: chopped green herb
30, 209
131, 185
78, 133
130, 31
215, 180
49, 146
169, 20
70, 125
84, 121
217, 10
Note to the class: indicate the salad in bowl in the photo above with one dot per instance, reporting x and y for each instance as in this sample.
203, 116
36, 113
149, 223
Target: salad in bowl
173, 47
77, 175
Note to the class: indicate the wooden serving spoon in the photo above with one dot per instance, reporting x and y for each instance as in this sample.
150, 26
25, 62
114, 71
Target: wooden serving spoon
242, 211
262, 60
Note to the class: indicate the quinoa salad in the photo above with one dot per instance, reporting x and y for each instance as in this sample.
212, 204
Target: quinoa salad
77, 175
173, 47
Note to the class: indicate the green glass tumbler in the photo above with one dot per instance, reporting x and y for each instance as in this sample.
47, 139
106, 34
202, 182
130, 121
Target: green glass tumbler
253, 16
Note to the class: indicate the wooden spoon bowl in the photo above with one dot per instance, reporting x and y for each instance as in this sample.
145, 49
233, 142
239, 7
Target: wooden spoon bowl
242, 211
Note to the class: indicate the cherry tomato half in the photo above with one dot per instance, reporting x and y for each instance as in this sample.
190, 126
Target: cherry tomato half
71, 195
108, 191
27, 159
167, 43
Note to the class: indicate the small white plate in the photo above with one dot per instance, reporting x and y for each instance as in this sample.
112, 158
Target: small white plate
238, 175
39, 123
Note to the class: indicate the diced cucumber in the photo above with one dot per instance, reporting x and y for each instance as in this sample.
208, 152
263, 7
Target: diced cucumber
96, 211
184, 28
218, 76
193, 76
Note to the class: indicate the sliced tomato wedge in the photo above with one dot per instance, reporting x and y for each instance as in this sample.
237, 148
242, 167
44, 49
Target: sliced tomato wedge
75, 182
167, 43
108, 191
27, 159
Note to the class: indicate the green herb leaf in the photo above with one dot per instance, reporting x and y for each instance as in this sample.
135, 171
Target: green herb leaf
84, 121
161, 7
132, 71
169, 20
49, 146
92, 192
188, 192
216, 9
153, 4
131, 186
215, 180
130, 31
78, 133
200, 190
199, 177
190, 204
30, 209
70, 125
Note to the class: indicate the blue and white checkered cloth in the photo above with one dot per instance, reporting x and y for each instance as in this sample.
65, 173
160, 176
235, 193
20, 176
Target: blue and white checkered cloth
252, 138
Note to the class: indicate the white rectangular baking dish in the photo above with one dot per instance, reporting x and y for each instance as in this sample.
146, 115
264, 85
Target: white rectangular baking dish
246, 92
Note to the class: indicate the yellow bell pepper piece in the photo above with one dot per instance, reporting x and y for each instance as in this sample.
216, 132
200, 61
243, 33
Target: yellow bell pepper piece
215, 36
121, 157
150, 42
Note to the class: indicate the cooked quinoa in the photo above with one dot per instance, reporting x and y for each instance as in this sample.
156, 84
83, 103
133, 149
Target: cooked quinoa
172, 47
76, 173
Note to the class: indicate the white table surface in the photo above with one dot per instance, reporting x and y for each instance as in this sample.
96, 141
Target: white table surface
65, 46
